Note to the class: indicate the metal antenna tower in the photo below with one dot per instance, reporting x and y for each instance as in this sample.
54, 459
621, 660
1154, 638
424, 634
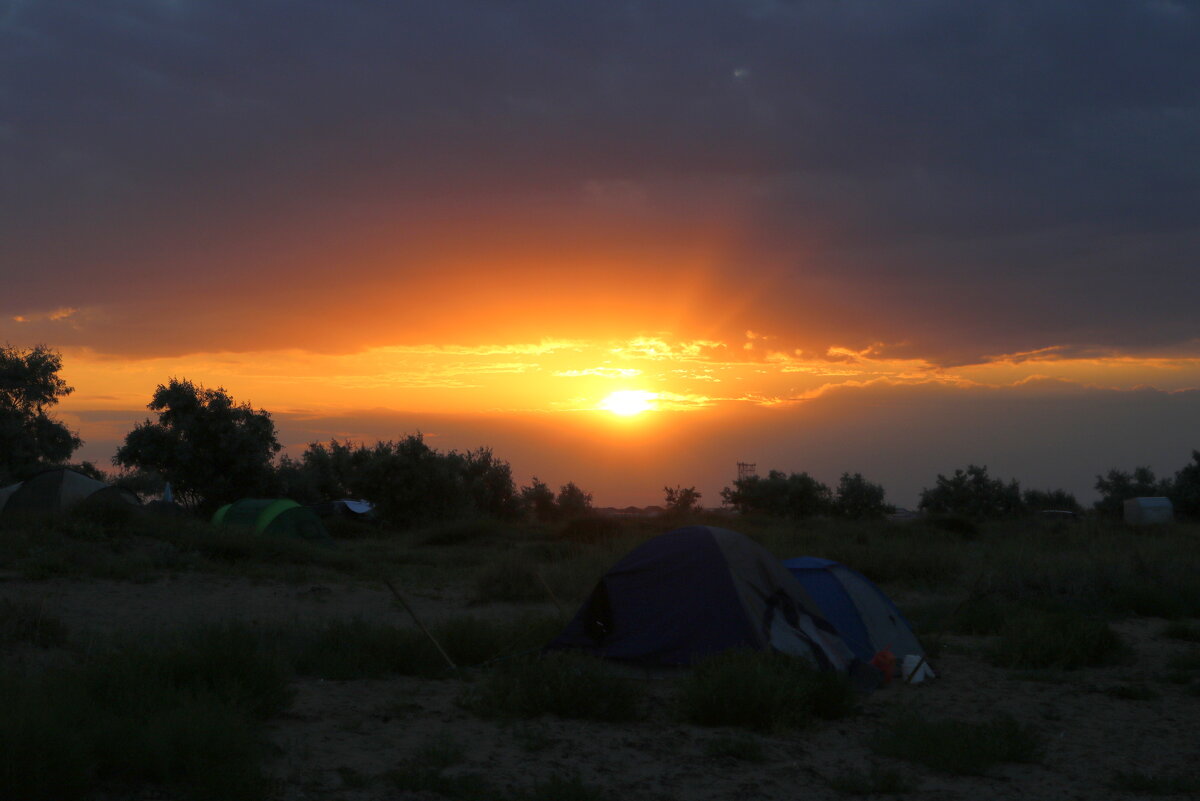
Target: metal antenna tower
746, 470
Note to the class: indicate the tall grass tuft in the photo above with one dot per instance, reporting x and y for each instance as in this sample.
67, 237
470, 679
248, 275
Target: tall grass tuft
509, 579
180, 712
29, 623
762, 691
563, 684
358, 649
957, 747
1061, 640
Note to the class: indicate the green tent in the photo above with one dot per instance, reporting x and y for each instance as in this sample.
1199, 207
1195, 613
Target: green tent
273, 516
59, 489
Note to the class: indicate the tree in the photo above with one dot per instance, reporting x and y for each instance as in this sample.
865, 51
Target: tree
972, 493
538, 500
858, 498
1185, 489
1118, 486
682, 500
410, 483
572, 501
212, 450
796, 496
29, 437
1050, 500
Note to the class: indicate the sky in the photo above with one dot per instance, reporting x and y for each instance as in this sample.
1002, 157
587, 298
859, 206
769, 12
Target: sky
894, 238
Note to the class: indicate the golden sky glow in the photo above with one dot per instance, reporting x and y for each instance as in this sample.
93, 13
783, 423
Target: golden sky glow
579, 409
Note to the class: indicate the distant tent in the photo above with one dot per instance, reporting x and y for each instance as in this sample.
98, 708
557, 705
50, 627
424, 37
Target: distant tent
345, 507
863, 615
59, 489
697, 591
1148, 511
273, 516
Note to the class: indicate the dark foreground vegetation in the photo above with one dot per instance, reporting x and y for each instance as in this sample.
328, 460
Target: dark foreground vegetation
190, 710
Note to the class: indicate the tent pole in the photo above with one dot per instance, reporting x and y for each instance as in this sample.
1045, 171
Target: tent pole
550, 592
420, 625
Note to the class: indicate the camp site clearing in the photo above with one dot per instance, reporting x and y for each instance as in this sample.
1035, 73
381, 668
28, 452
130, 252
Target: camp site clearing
1117, 723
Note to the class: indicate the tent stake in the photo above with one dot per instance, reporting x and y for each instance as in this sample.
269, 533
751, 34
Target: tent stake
421, 625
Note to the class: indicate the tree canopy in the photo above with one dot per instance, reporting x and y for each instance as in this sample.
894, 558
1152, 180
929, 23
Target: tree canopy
1118, 486
972, 493
211, 449
30, 437
409, 482
797, 495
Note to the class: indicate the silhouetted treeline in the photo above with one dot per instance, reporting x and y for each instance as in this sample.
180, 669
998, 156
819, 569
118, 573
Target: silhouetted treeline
212, 451
799, 495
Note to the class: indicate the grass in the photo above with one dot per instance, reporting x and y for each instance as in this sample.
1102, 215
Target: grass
873, 781
1142, 783
761, 691
1057, 640
23, 622
461, 532
563, 684
957, 747
509, 579
360, 649
181, 712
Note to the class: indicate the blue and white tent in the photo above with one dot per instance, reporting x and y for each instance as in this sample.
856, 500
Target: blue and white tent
863, 615
697, 591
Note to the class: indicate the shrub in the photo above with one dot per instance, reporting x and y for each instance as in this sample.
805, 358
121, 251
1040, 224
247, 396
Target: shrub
1063, 640
562, 684
957, 747
762, 691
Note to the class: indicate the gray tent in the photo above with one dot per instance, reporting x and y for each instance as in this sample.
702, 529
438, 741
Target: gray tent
60, 489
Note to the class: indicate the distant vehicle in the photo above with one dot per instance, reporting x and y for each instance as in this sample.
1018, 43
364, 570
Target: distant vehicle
1148, 511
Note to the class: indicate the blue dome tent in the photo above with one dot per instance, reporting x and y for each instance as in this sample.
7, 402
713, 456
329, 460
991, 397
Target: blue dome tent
863, 615
697, 591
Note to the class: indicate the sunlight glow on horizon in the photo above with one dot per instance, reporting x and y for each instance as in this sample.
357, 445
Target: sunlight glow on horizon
629, 402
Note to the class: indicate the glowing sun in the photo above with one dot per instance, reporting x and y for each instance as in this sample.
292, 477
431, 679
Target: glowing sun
629, 402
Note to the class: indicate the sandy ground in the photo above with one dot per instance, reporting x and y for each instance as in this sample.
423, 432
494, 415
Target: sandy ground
339, 737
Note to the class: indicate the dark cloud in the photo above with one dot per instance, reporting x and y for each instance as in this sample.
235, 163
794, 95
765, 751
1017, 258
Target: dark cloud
955, 179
